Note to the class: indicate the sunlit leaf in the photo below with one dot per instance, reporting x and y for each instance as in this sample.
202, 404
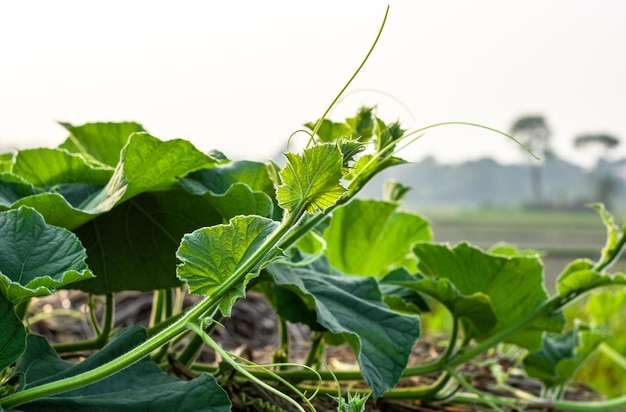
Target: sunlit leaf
211, 255
613, 232
579, 276
381, 339
330, 131
102, 141
312, 179
371, 237
6, 162
37, 258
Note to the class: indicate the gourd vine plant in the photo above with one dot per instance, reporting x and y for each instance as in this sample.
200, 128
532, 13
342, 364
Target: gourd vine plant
115, 209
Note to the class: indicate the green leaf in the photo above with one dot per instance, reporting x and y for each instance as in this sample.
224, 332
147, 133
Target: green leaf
579, 277
367, 167
37, 258
45, 168
474, 308
148, 163
12, 334
399, 297
71, 198
133, 246
311, 180
101, 141
362, 124
211, 255
613, 232
381, 339
371, 237
561, 356
330, 131
6, 162
140, 387
238, 188
13, 188
513, 284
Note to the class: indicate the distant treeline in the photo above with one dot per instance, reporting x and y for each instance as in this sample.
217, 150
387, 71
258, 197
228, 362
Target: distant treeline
486, 182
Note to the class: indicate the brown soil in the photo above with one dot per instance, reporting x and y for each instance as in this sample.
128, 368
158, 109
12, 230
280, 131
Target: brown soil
252, 332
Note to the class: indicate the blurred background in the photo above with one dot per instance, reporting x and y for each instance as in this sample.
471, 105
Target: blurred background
241, 77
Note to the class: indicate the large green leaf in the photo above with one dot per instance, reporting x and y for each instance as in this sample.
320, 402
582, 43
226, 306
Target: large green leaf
381, 339
73, 191
140, 387
133, 246
211, 255
513, 284
561, 356
370, 237
37, 258
101, 141
474, 308
312, 179
12, 334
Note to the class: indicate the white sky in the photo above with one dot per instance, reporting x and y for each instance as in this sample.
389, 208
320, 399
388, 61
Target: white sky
242, 76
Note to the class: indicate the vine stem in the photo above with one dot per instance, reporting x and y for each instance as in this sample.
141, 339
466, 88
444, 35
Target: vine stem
208, 305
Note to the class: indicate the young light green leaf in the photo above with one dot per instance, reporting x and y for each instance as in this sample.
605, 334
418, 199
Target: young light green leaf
141, 387
381, 339
330, 131
6, 162
513, 284
371, 237
311, 180
12, 334
101, 141
37, 258
561, 356
211, 255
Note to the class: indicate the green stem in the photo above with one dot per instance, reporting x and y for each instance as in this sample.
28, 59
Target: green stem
209, 304
191, 351
315, 351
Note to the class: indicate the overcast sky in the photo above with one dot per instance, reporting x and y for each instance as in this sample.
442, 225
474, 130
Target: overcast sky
242, 76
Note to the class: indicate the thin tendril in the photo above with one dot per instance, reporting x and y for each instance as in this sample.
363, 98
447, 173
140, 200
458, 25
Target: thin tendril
332, 104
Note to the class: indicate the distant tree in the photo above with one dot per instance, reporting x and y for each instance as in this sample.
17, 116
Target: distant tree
607, 142
534, 133
605, 183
